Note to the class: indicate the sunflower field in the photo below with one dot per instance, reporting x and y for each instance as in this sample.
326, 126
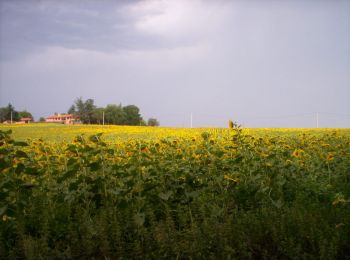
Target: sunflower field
108, 192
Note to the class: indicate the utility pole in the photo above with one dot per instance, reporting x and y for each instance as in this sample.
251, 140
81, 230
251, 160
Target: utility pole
191, 120
317, 119
103, 117
11, 117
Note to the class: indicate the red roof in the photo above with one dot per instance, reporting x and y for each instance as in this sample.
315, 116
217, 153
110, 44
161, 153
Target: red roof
26, 119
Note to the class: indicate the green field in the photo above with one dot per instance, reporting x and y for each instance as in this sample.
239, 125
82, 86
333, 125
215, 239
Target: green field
118, 192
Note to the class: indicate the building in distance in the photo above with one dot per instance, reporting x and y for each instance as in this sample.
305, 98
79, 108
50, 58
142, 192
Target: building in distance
63, 119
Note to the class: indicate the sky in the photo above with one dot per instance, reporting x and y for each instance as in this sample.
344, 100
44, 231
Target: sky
259, 63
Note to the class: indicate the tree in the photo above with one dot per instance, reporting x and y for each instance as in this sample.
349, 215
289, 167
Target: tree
152, 122
88, 113
89, 109
80, 109
97, 117
8, 113
115, 115
3, 113
25, 113
85, 110
133, 116
42, 119
143, 122
71, 110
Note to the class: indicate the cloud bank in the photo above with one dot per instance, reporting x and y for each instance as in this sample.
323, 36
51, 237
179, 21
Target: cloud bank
261, 64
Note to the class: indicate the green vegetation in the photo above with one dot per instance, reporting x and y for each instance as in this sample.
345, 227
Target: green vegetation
112, 114
181, 193
9, 113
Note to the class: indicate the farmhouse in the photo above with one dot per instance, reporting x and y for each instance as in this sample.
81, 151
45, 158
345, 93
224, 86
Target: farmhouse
26, 120
62, 118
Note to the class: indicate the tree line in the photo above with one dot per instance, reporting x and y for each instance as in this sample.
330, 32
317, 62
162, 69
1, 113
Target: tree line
112, 114
89, 113
9, 113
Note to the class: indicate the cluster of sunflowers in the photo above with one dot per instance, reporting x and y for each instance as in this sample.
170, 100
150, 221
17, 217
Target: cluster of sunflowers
147, 176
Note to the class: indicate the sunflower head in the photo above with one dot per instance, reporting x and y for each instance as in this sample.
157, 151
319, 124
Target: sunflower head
330, 157
297, 153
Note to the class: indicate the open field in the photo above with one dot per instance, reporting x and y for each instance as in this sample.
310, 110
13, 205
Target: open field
60, 132
140, 192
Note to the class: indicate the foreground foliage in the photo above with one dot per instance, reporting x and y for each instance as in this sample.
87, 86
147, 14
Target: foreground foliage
213, 194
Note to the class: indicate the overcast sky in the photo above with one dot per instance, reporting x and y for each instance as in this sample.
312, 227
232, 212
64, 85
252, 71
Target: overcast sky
260, 63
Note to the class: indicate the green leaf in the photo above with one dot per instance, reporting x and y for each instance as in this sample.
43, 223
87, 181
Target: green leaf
139, 219
67, 175
21, 154
3, 164
278, 203
3, 210
205, 135
71, 161
95, 166
20, 167
165, 196
80, 139
19, 143
192, 194
72, 148
219, 153
238, 159
122, 204
95, 138
31, 171
28, 185
4, 151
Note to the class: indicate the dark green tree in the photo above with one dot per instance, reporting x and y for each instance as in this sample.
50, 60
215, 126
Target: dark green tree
152, 122
89, 110
84, 110
132, 115
7, 112
25, 113
72, 110
88, 113
3, 113
115, 115
97, 117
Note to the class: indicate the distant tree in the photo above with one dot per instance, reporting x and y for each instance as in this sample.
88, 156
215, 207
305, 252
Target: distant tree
88, 113
89, 109
80, 109
15, 116
3, 113
42, 119
85, 110
7, 112
152, 122
115, 115
71, 110
97, 117
79, 105
25, 113
143, 122
133, 116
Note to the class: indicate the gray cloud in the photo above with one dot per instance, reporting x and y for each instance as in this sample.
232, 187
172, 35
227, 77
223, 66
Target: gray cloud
262, 63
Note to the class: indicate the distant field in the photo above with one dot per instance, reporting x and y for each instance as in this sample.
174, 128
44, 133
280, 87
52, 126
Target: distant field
60, 132
70, 192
